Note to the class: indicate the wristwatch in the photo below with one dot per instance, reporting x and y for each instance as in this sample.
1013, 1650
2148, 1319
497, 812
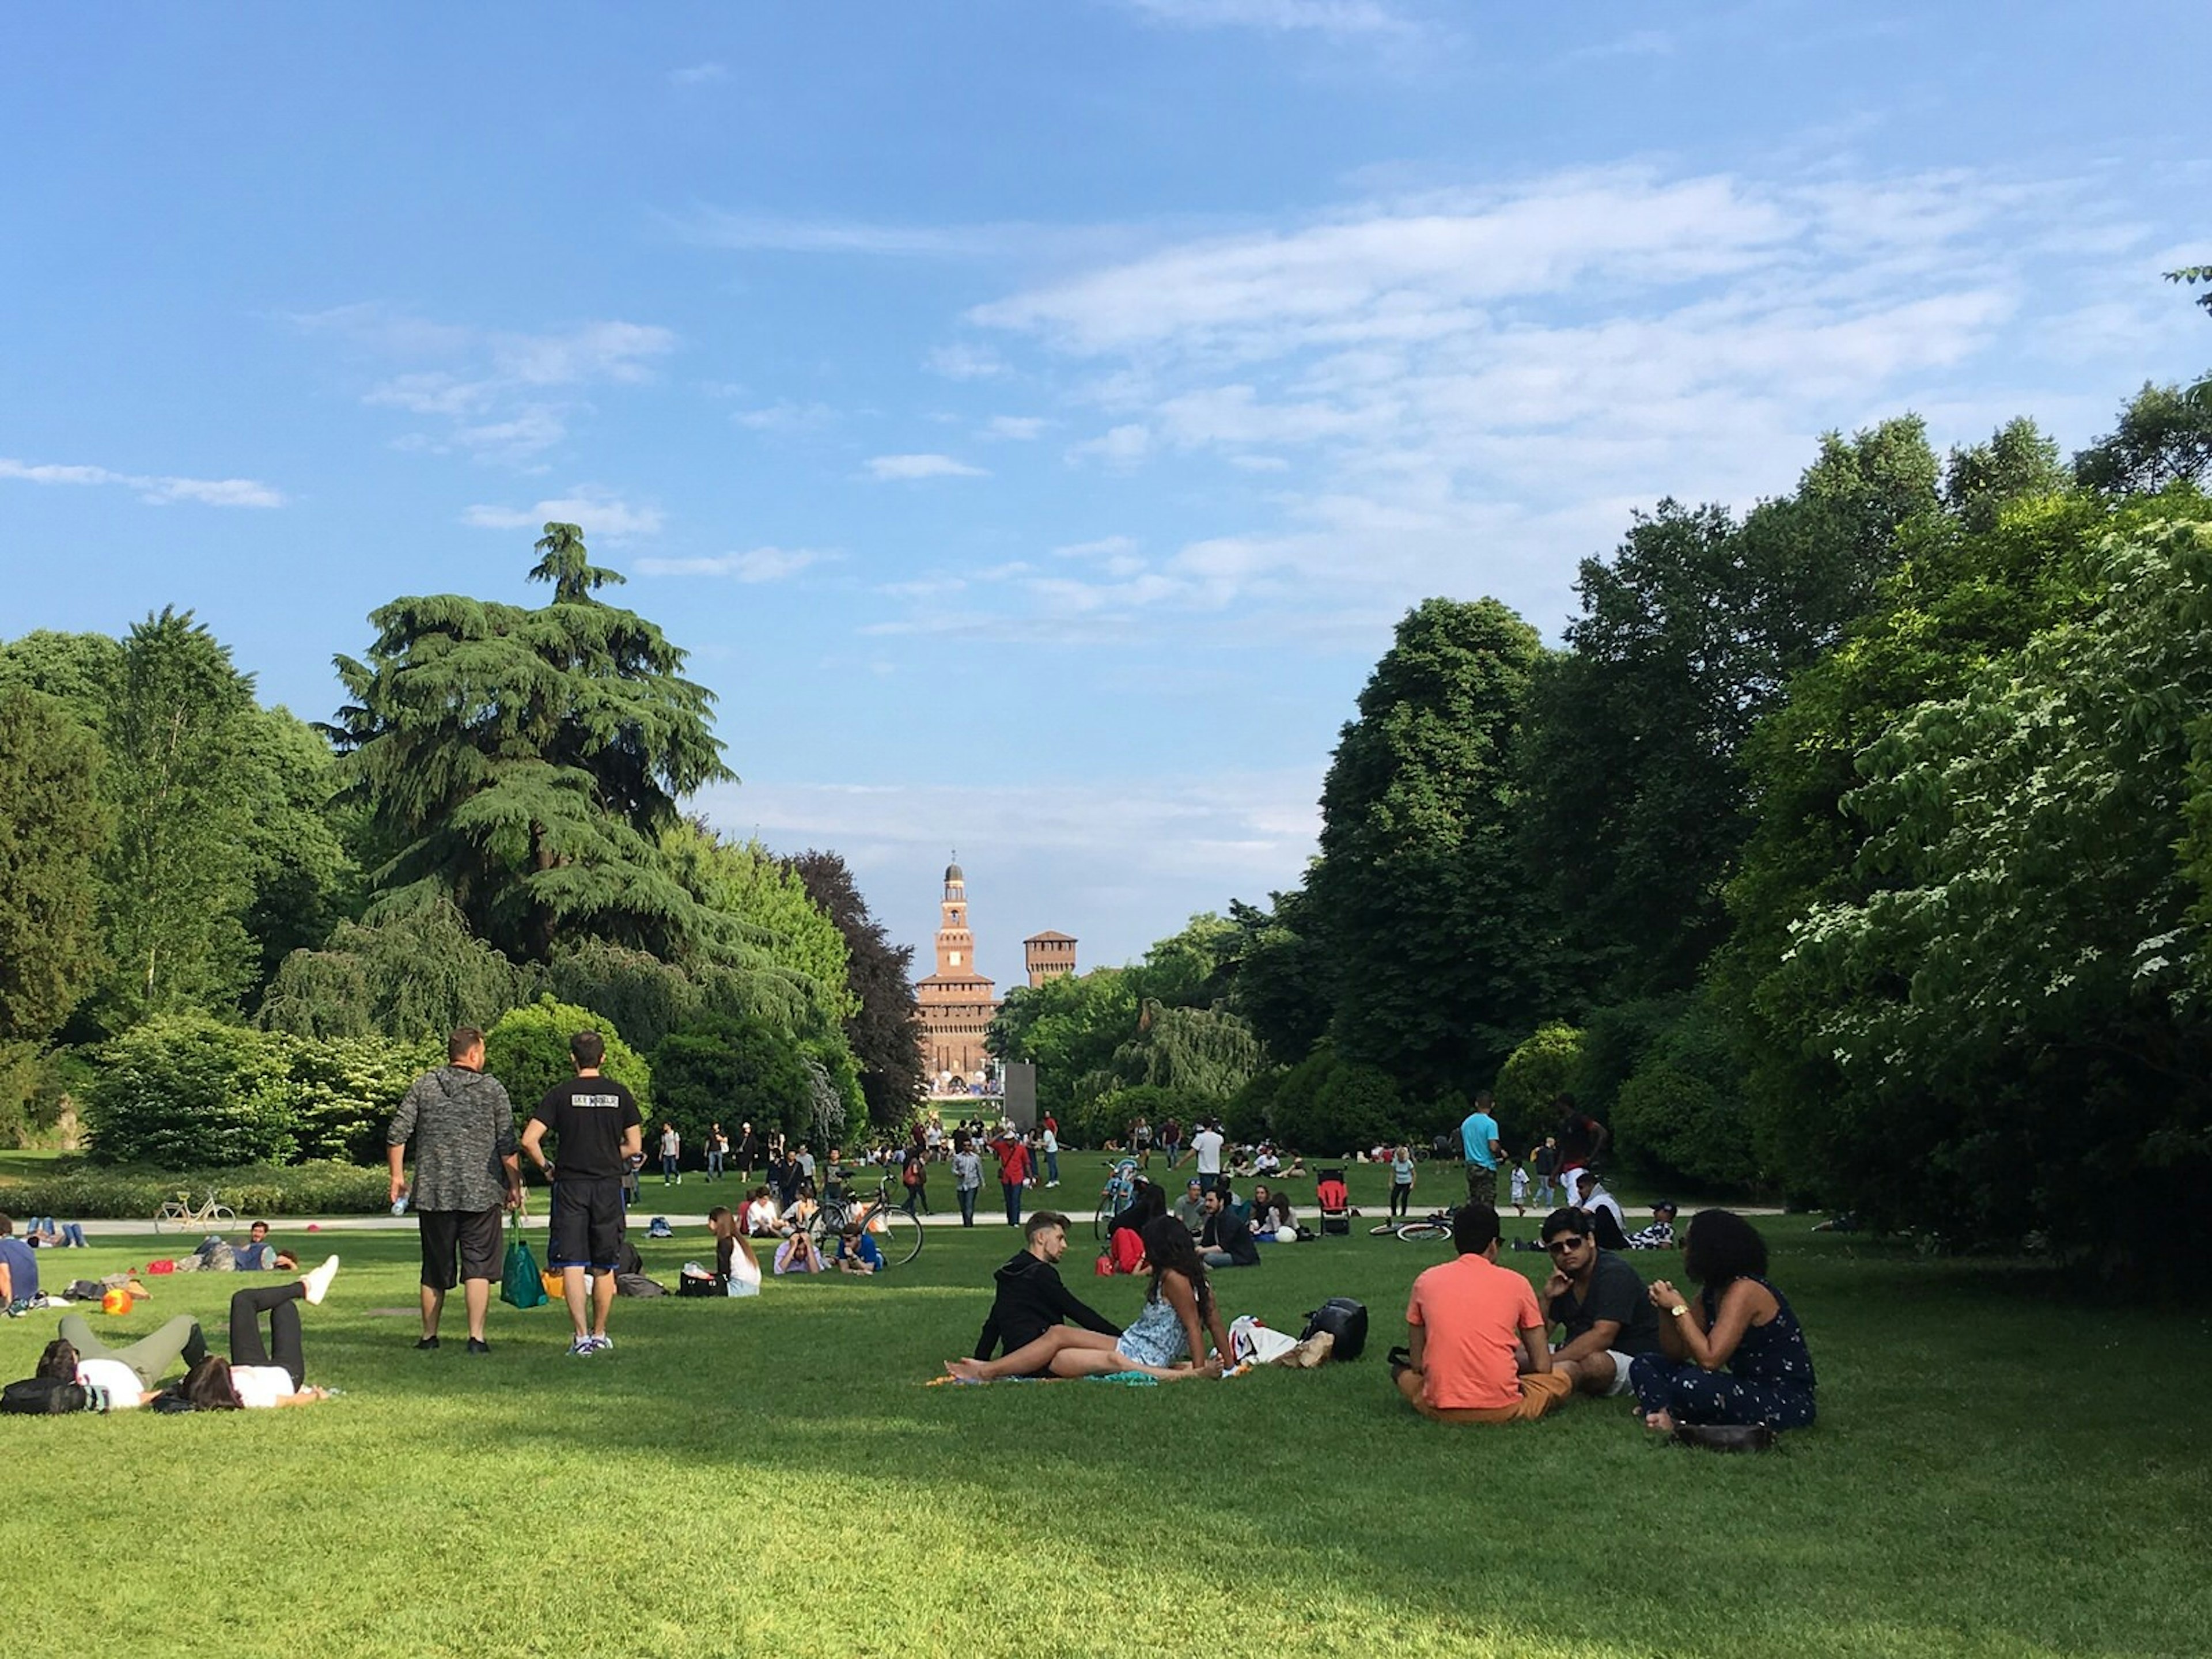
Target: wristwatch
1678, 1308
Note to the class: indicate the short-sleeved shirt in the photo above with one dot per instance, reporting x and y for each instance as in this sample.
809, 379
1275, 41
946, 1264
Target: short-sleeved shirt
1475, 1134
1578, 1134
1616, 1292
1472, 1312
589, 1117
1205, 1146
22, 1269
670, 1146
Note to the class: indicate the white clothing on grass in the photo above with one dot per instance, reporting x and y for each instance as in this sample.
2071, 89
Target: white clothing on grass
121, 1383
261, 1386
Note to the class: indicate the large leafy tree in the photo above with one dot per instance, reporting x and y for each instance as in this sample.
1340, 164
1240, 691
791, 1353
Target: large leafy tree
1278, 975
178, 731
2163, 437
883, 1025
51, 831
523, 764
1436, 940
1069, 1027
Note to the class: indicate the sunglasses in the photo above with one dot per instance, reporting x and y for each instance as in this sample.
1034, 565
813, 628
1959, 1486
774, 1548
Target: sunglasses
1563, 1245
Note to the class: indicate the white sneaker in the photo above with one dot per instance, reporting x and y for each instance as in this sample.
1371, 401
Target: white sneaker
600, 1344
318, 1281
582, 1345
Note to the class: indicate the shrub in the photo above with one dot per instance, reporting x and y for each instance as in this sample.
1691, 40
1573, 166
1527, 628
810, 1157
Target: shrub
184, 1091
344, 1092
528, 1051
1545, 1066
730, 1069
1615, 1041
1682, 1113
1328, 1107
79, 1190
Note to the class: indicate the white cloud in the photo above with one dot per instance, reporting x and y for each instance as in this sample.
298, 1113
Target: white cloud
1105, 547
156, 490
1122, 447
596, 513
1336, 17
758, 564
1019, 428
965, 363
785, 417
698, 74
505, 395
922, 466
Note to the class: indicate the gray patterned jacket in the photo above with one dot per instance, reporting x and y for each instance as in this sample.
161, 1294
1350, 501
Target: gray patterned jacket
462, 1125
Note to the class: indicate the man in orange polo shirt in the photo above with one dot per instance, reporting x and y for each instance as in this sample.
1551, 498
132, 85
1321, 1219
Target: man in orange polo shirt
1477, 1352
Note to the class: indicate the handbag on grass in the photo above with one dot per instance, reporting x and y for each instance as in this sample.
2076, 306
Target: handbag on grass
520, 1285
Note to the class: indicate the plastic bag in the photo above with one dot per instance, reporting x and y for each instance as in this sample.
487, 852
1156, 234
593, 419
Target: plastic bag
520, 1285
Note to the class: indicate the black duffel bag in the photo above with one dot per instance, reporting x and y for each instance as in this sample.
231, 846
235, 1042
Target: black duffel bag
1343, 1319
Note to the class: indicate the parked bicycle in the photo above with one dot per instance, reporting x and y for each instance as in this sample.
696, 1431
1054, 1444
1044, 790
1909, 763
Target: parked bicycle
1437, 1224
179, 1212
898, 1232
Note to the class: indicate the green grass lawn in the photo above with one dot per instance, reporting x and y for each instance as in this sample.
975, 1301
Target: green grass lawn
1997, 1470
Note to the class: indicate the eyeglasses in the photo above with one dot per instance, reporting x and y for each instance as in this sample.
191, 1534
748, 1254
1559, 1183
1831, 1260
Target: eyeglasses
1563, 1245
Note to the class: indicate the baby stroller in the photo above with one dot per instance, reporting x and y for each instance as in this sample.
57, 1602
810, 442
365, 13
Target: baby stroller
1335, 1201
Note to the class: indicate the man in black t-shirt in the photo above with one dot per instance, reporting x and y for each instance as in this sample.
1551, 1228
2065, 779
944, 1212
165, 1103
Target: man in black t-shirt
596, 1130
1600, 1301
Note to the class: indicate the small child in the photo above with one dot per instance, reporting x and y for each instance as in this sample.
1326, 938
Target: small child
1520, 1190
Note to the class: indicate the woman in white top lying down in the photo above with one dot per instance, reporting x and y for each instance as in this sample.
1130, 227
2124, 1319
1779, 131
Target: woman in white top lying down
258, 1375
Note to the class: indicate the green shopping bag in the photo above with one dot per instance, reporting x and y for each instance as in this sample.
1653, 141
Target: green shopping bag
521, 1284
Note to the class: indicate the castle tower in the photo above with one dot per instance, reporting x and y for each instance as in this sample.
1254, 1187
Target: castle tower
1047, 955
957, 1003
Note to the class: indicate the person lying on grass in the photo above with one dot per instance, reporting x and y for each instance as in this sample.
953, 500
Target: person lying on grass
1178, 1317
258, 1376
130, 1376
857, 1252
1029, 1298
1737, 1354
796, 1255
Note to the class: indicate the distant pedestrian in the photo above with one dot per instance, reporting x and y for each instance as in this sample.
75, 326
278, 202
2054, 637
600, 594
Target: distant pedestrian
1013, 1174
1050, 1138
966, 1176
915, 1176
596, 1131
1206, 1146
671, 1149
1480, 1145
718, 1148
748, 1151
461, 1125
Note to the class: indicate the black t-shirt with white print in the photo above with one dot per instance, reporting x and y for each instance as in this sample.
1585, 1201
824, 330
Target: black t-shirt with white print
587, 1116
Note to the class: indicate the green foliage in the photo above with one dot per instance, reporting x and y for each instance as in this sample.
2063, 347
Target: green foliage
178, 732
760, 924
1681, 1113
1537, 1073
2163, 437
2018, 463
528, 1051
186, 1091
1107, 1116
733, 1069
51, 831
344, 1092
412, 975
1434, 934
883, 1026
87, 1191
1328, 1107
1279, 977
1200, 1052
2015, 999
1069, 1028
305, 877
1615, 1041
525, 762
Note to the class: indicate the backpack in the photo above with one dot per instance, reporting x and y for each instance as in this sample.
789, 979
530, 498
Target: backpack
1343, 1319
44, 1396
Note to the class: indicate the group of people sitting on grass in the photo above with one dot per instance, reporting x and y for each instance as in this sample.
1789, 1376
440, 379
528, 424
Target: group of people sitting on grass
77, 1371
1227, 1233
1479, 1344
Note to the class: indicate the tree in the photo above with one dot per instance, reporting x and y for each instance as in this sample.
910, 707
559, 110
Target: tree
51, 832
1068, 1028
1278, 976
2164, 437
527, 1050
2018, 463
179, 733
733, 1069
884, 1026
305, 877
523, 763
185, 1091
1433, 933
410, 976
1536, 1074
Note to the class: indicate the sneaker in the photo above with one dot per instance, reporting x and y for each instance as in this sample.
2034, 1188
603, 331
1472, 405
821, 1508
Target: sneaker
427, 1342
601, 1344
477, 1344
318, 1281
582, 1345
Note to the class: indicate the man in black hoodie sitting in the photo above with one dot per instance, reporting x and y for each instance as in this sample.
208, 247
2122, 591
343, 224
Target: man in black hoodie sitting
1030, 1298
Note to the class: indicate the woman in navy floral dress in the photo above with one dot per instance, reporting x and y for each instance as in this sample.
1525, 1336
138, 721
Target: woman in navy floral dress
1738, 1355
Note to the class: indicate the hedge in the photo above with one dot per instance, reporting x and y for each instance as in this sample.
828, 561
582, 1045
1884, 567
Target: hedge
79, 1191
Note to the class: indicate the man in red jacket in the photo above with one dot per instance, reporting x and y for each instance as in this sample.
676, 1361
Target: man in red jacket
1013, 1173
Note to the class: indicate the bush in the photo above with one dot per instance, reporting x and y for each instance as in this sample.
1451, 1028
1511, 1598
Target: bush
78, 1190
1615, 1041
528, 1051
343, 1093
1328, 1107
729, 1069
1682, 1114
1545, 1066
184, 1091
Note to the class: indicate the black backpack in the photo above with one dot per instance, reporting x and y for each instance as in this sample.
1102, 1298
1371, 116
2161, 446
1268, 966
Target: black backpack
1343, 1319
44, 1396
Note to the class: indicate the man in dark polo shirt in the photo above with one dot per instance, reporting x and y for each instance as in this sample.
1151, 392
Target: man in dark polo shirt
1600, 1301
596, 1129
462, 1126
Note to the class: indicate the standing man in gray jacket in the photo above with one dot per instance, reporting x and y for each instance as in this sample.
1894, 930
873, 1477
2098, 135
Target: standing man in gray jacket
467, 1167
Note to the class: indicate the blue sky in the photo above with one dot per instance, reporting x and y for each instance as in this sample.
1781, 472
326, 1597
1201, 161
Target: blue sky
1033, 415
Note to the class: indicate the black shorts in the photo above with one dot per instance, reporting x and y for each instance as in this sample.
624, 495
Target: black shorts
587, 1229
470, 1235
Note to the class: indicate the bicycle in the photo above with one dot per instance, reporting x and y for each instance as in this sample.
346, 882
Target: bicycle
1437, 1224
1115, 1196
210, 1214
897, 1231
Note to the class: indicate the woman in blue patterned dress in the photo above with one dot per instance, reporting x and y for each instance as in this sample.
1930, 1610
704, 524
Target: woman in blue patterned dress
1738, 1354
